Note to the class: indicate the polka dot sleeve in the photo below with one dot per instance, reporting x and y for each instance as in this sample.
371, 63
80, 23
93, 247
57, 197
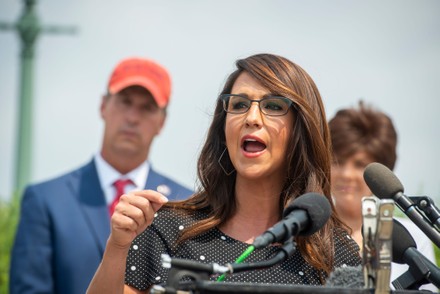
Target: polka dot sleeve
144, 267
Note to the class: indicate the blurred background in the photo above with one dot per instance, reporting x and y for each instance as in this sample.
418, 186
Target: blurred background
385, 52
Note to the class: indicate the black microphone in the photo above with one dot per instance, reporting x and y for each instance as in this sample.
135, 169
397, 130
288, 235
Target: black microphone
346, 277
384, 184
304, 216
421, 270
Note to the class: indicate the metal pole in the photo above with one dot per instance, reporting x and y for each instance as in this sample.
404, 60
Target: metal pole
29, 29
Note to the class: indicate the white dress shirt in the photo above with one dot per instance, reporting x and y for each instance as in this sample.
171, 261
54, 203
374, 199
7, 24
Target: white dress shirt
108, 175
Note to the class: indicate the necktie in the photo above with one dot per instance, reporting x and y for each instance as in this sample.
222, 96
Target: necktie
119, 185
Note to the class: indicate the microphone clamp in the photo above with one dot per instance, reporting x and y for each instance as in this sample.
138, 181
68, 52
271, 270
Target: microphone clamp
377, 228
426, 204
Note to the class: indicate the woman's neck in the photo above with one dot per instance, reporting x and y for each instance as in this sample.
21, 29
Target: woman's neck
257, 210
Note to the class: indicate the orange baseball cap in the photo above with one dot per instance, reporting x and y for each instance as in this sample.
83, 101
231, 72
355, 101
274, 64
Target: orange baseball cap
145, 73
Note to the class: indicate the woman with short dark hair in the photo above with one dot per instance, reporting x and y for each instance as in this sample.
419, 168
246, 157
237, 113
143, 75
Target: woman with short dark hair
359, 137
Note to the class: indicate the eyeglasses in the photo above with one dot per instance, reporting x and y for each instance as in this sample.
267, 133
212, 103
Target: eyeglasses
272, 105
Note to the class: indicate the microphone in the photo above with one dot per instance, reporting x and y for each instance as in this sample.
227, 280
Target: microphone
304, 216
384, 184
346, 277
421, 270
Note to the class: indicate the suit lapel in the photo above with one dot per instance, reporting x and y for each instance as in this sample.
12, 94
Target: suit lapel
156, 182
153, 180
92, 201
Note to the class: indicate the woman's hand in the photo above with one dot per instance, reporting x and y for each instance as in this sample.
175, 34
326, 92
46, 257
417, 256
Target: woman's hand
133, 214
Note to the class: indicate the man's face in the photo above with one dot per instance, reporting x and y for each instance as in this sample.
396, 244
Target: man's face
132, 120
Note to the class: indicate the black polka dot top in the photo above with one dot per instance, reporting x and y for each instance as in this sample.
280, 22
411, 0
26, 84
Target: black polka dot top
144, 267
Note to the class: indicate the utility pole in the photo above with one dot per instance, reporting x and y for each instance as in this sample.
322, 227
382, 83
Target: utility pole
29, 29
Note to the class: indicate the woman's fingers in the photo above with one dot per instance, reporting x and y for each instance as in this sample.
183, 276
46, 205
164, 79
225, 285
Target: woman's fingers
156, 199
134, 213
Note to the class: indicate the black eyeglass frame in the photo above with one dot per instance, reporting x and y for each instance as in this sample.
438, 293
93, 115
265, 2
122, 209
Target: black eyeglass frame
225, 100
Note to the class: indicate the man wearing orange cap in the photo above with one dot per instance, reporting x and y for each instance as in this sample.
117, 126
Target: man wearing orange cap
65, 222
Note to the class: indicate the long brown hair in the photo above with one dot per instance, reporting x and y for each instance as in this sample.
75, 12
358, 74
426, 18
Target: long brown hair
309, 155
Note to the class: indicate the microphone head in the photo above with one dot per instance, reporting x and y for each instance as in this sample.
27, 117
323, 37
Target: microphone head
382, 181
402, 240
346, 277
317, 207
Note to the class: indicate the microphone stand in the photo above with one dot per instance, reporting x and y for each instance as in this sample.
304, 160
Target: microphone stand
418, 212
196, 271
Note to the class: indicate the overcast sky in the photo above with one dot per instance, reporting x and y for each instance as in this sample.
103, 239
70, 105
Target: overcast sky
386, 52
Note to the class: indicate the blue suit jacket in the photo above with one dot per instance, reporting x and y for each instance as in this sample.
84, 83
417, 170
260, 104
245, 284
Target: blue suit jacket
63, 230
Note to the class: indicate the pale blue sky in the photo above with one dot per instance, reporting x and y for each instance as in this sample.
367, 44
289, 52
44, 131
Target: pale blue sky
387, 52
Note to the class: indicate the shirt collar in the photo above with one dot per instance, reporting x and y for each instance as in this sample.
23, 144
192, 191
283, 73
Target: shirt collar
107, 174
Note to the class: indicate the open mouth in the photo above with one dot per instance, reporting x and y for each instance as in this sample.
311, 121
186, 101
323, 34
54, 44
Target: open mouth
251, 145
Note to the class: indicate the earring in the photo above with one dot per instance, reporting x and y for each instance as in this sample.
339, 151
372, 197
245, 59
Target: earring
220, 163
